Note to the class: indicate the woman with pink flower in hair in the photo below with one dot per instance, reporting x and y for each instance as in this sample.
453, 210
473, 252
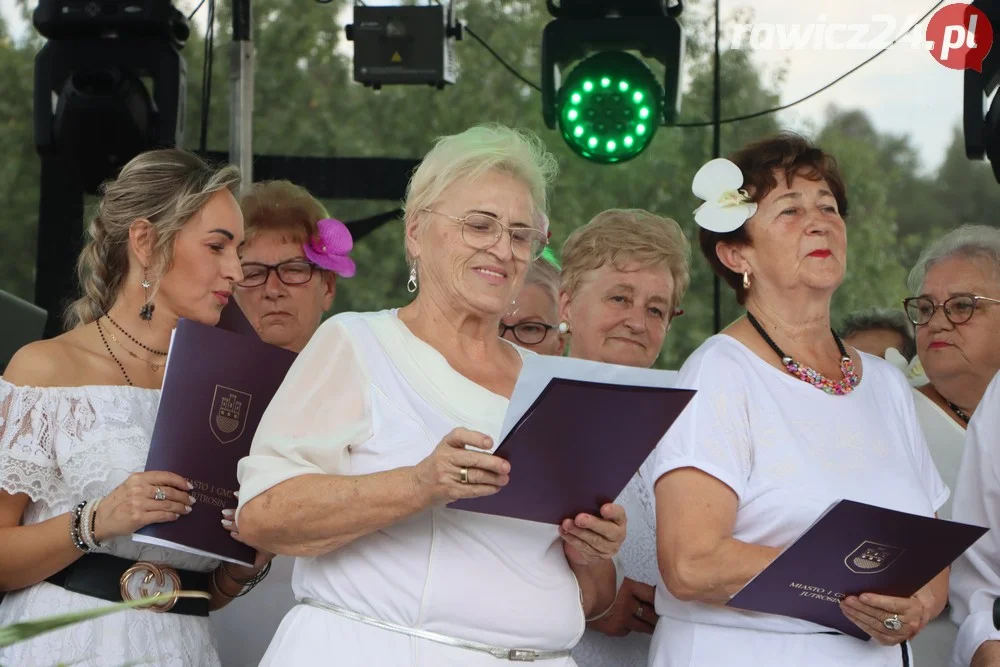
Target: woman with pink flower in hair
291, 259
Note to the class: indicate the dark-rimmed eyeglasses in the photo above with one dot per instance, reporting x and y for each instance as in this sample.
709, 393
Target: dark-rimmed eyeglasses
527, 333
958, 309
481, 231
290, 272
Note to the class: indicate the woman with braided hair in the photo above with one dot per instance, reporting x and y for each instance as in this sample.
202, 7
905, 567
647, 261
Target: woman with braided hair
76, 417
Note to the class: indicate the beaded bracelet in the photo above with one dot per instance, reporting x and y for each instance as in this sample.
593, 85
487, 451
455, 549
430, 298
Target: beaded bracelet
74, 527
87, 525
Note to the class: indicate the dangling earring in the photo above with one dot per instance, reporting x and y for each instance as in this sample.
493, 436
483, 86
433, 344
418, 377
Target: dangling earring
746, 280
146, 312
411, 284
564, 327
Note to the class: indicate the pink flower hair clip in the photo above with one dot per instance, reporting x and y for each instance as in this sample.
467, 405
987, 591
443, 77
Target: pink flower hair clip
329, 246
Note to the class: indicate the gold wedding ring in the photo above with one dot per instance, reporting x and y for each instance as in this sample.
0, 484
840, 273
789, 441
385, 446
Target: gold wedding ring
465, 475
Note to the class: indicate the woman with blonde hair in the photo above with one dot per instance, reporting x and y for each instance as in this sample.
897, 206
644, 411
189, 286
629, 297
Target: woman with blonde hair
365, 445
624, 276
77, 413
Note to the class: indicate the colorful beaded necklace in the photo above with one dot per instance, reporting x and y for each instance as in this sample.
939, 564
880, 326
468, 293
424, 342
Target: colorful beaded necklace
811, 375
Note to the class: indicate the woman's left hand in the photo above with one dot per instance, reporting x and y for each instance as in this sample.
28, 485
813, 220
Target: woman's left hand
262, 559
588, 539
870, 612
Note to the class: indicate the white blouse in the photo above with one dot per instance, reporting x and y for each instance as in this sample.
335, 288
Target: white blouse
366, 396
61, 445
975, 576
787, 450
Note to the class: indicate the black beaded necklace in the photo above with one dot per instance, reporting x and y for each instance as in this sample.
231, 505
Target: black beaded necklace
957, 410
132, 338
811, 375
104, 340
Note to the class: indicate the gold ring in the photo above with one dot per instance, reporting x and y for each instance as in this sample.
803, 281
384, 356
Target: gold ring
465, 475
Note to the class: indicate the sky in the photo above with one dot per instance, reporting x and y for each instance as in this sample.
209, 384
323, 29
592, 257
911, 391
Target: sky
903, 91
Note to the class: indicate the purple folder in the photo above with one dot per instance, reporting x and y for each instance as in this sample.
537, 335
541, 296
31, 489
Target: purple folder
217, 385
577, 447
855, 548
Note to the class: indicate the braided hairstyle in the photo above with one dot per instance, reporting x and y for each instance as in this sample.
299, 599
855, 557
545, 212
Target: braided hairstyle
165, 187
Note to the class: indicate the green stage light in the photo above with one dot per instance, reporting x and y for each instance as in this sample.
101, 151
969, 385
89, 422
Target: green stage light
610, 107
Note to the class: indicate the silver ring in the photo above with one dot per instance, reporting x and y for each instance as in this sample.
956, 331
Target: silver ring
893, 623
159, 495
639, 611
464, 475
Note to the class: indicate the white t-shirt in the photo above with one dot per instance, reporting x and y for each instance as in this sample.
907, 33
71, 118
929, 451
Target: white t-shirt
975, 576
788, 450
366, 396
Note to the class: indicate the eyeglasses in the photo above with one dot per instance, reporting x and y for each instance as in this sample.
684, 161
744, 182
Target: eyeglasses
958, 309
290, 272
482, 231
527, 333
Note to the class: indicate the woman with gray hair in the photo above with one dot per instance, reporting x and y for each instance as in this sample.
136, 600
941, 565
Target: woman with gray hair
387, 417
76, 418
956, 288
956, 311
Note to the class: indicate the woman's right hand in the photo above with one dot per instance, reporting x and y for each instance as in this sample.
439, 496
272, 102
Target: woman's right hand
133, 503
439, 476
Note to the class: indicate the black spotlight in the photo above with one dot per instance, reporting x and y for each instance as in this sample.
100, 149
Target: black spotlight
982, 131
92, 105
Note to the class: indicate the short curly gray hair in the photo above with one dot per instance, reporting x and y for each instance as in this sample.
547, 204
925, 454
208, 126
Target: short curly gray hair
968, 241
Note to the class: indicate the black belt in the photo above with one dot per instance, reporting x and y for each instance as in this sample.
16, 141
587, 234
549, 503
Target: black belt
117, 579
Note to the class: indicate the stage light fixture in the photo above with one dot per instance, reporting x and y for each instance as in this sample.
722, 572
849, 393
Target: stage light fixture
611, 103
981, 128
405, 45
92, 108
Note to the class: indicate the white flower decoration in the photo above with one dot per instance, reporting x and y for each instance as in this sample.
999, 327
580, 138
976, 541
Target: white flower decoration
727, 206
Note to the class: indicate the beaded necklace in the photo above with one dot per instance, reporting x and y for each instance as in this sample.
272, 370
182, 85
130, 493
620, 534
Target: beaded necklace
811, 375
958, 411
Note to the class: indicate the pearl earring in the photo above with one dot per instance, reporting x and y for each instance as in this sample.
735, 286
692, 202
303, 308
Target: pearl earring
564, 327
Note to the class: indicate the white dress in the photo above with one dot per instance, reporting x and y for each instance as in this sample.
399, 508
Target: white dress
975, 576
638, 557
61, 445
366, 396
945, 440
787, 450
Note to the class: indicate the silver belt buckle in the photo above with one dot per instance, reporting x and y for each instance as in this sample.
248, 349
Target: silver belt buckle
522, 655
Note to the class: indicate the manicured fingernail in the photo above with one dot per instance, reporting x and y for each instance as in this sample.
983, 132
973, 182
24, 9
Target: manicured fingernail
192, 500
187, 509
227, 523
176, 515
190, 486
505, 467
227, 513
236, 493
867, 599
487, 442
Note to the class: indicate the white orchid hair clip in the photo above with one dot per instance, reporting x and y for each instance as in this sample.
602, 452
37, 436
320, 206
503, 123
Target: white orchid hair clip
727, 205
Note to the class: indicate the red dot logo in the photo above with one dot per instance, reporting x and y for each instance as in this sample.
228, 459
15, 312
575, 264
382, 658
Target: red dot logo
960, 37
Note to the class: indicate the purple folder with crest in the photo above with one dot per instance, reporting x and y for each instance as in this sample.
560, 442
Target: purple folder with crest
855, 548
577, 447
218, 382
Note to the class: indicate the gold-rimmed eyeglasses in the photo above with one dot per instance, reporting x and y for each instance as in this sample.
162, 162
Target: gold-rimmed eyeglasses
958, 309
481, 231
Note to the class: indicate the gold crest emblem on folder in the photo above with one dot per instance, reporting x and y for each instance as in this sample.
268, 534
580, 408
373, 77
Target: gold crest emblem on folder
229, 413
872, 558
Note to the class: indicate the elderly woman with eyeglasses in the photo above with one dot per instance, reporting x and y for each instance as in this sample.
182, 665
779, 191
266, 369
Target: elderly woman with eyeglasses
385, 418
956, 312
532, 318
